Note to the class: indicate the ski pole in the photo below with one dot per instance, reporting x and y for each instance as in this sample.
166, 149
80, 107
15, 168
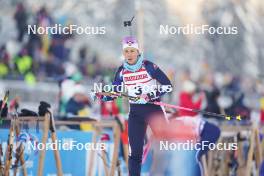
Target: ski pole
196, 110
227, 117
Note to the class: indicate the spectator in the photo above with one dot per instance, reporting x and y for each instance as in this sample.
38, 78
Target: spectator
239, 108
186, 99
4, 62
109, 109
78, 102
212, 104
21, 21
262, 111
66, 84
79, 105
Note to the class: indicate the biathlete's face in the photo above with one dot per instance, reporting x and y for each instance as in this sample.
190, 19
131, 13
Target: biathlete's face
131, 55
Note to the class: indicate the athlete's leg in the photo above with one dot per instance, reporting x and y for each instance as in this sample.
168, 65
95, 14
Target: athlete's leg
137, 124
136, 134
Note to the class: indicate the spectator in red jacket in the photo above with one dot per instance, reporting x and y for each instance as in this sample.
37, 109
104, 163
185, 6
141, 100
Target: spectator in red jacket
109, 109
186, 99
262, 110
262, 116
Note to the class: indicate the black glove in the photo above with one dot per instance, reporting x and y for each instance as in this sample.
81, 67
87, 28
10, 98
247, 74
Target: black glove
27, 113
4, 110
43, 108
153, 96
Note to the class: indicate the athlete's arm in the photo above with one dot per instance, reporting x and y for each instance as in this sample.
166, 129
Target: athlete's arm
160, 76
117, 82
